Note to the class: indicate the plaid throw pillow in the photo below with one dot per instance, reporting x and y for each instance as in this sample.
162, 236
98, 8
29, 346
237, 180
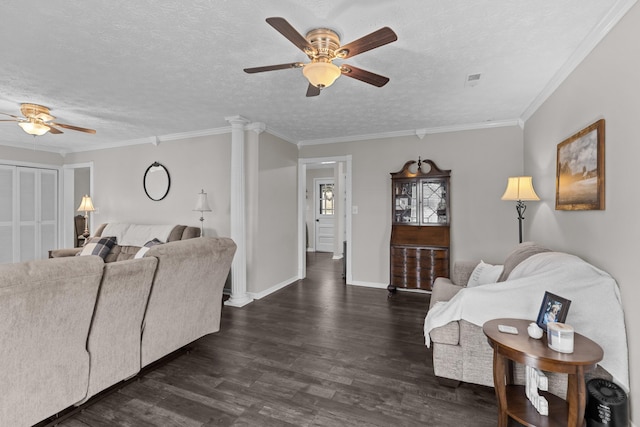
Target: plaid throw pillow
100, 246
143, 250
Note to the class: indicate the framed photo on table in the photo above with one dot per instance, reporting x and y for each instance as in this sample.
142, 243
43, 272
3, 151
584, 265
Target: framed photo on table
553, 309
580, 170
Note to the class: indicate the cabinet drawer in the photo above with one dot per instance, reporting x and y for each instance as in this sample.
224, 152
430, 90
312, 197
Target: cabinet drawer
417, 267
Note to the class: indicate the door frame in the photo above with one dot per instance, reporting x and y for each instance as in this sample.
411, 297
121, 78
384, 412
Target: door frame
67, 203
302, 186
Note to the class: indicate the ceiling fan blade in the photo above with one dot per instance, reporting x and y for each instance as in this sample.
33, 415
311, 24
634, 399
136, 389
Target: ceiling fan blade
363, 75
272, 67
54, 130
62, 125
312, 90
284, 28
11, 115
9, 120
376, 39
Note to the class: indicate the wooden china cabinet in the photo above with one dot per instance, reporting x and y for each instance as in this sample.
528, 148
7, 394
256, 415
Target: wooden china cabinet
420, 225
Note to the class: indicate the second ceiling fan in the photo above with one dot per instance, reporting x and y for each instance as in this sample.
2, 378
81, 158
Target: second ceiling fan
322, 46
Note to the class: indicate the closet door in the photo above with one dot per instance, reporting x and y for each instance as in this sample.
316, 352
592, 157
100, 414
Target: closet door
37, 219
7, 207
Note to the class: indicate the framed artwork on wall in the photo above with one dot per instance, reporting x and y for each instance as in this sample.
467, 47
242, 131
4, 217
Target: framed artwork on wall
580, 170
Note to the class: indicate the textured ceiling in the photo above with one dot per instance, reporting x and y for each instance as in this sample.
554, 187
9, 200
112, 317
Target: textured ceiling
144, 69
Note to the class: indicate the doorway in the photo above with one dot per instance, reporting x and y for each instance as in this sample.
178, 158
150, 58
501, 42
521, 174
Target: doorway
342, 200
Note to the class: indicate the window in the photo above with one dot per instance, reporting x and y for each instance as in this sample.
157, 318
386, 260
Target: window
327, 205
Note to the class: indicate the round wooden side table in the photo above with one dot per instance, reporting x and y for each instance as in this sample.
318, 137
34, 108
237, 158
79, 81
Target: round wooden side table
520, 348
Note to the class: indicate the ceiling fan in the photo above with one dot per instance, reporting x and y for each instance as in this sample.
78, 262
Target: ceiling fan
322, 46
37, 121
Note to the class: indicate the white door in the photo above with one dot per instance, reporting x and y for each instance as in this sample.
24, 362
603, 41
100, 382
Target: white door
28, 218
325, 210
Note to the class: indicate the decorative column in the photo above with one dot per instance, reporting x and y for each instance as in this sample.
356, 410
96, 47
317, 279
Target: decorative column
239, 297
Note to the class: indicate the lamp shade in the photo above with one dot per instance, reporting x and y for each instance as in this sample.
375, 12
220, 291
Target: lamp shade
86, 205
33, 127
202, 205
520, 188
321, 74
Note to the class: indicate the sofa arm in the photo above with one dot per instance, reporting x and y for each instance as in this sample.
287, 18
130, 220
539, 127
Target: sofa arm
61, 253
443, 290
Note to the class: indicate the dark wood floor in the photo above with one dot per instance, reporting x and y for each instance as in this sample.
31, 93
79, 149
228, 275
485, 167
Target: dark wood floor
317, 353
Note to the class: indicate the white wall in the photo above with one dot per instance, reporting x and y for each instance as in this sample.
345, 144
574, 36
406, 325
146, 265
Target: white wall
482, 226
193, 164
605, 85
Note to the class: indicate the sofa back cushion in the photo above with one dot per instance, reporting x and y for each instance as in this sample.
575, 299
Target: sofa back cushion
519, 254
121, 253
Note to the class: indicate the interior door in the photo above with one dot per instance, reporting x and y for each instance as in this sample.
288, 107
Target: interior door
28, 213
325, 210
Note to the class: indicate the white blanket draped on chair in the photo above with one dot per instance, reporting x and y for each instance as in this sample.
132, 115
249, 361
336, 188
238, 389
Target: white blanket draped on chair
137, 234
595, 311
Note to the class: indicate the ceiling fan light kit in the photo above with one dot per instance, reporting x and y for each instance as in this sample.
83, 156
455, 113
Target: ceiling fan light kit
322, 46
37, 121
321, 74
33, 127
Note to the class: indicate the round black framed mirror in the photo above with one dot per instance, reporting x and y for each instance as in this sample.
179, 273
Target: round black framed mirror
156, 181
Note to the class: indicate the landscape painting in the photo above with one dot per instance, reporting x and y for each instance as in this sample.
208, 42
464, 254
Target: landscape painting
580, 170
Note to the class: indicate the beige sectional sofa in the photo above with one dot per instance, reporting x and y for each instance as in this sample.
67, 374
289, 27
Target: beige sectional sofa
73, 326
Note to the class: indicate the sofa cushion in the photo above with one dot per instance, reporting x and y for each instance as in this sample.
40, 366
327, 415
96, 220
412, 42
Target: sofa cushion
484, 273
121, 253
519, 254
100, 246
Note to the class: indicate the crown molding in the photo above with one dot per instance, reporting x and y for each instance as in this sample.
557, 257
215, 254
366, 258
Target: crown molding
584, 49
51, 149
155, 140
419, 133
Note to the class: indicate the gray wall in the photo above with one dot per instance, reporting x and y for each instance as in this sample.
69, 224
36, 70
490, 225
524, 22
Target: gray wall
480, 160
29, 155
605, 85
193, 164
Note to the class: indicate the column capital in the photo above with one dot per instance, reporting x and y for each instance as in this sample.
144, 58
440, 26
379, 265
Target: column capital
257, 127
237, 121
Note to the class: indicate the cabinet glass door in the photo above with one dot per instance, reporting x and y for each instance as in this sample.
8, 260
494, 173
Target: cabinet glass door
434, 202
405, 202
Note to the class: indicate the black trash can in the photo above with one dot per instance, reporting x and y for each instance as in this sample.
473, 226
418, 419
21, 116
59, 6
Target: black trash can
607, 404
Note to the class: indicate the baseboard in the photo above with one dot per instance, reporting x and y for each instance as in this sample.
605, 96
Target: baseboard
262, 294
369, 284
311, 249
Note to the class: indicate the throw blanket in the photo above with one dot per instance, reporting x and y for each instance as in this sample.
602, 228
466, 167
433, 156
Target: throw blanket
595, 311
137, 234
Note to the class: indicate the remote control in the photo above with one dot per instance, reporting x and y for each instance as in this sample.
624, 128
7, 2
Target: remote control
508, 329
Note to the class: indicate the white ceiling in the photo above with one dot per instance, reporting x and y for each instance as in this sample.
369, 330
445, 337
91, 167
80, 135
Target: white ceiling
143, 69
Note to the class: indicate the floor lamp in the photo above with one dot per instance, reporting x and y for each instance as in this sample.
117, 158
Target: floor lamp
520, 189
86, 206
202, 206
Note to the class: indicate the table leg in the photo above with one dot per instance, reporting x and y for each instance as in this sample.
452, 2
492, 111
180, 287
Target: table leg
576, 397
499, 376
